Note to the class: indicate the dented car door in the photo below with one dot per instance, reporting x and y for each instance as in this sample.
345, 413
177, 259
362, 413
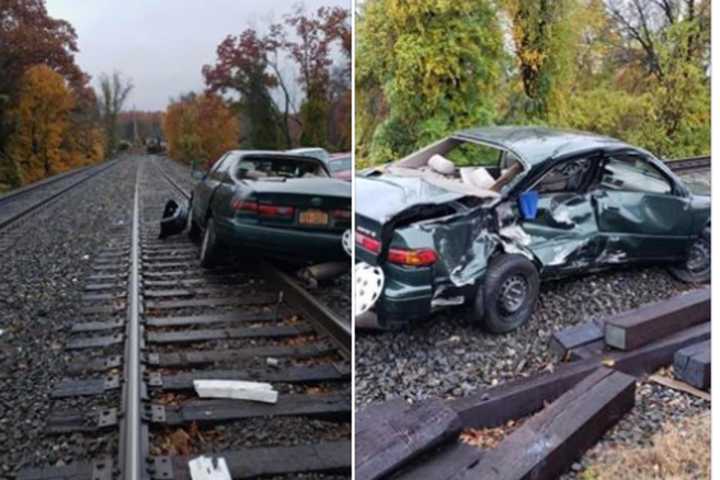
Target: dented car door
564, 232
640, 210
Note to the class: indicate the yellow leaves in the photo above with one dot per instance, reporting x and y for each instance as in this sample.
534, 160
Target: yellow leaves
42, 118
200, 129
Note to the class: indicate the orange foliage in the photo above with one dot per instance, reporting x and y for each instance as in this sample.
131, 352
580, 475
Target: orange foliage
50, 134
41, 118
199, 129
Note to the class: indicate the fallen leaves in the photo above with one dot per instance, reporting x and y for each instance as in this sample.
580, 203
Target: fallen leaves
184, 442
488, 437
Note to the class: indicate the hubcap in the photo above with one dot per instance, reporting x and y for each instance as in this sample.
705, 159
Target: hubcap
699, 256
513, 293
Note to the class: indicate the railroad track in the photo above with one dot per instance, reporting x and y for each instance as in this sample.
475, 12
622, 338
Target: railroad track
691, 164
153, 322
18, 204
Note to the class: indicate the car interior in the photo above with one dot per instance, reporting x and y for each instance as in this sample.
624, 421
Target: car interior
463, 167
279, 168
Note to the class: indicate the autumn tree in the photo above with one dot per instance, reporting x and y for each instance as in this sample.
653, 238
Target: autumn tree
437, 63
114, 91
310, 47
199, 128
637, 70
41, 119
243, 68
545, 34
28, 37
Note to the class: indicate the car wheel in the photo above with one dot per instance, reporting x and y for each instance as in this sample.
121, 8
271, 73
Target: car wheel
209, 247
509, 294
696, 267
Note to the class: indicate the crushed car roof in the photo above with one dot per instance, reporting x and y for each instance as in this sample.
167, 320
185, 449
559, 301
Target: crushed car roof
534, 145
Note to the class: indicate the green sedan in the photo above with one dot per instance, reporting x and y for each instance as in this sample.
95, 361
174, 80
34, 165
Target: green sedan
480, 217
270, 203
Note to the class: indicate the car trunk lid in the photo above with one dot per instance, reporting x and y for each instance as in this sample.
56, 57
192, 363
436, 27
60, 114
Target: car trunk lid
296, 203
381, 201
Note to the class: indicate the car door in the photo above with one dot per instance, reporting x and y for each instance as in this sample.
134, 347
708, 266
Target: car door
204, 190
563, 236
224, 189
641, 208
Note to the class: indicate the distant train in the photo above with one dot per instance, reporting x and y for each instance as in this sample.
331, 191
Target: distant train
154, 145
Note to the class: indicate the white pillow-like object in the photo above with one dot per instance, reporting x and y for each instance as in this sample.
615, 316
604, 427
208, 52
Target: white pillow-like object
478, 177
441, 165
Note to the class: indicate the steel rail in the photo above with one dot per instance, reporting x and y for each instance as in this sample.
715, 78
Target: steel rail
41, 184
131, 437
689, 164
100, 168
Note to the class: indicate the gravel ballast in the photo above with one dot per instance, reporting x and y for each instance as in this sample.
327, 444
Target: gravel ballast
41, 283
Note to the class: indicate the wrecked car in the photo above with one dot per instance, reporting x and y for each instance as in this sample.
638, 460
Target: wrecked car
481, 217
273, 203
340, 166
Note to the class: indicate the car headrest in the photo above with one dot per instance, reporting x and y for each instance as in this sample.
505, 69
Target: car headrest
478, 177
441, 165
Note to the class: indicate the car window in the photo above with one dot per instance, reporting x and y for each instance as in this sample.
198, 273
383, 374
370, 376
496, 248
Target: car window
218, 169
633, 173
567, 176
278, 168
340, 164
468, 154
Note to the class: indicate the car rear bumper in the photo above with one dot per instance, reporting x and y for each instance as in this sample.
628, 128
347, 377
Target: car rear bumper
406, 296
407, 300
283, 242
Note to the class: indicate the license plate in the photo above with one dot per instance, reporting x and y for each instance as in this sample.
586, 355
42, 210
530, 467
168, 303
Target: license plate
313, 217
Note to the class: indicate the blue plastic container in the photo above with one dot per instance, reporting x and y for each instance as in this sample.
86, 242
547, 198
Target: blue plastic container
529, 204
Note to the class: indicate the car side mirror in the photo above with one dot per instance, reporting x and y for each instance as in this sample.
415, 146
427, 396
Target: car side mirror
197, 174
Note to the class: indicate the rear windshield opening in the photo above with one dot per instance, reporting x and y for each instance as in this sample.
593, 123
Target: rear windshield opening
469, 167
279, 168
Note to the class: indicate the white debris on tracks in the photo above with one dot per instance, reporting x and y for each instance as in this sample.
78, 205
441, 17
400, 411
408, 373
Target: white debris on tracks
209, 468
236, 389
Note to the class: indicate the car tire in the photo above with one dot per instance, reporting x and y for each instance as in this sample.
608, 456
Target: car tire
696, 268
509, 294
209, 248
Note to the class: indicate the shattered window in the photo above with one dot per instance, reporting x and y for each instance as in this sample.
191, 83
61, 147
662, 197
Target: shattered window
567, 176
632, 173
474, 155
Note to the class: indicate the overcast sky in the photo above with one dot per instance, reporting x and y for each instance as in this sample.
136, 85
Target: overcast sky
163, 44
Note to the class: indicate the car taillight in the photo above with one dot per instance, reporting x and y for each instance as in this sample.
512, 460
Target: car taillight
368, 243
244, 206
263, 210
413, 258
340, 214
275, 211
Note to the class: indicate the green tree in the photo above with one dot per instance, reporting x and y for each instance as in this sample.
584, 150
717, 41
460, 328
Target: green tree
114, 92
438, 64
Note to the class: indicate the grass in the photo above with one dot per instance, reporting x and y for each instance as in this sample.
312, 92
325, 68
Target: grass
678, 452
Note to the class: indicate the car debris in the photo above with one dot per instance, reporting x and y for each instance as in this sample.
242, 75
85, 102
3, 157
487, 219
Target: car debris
236, 389
174, 219
481, 217
209, 468
317, 274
